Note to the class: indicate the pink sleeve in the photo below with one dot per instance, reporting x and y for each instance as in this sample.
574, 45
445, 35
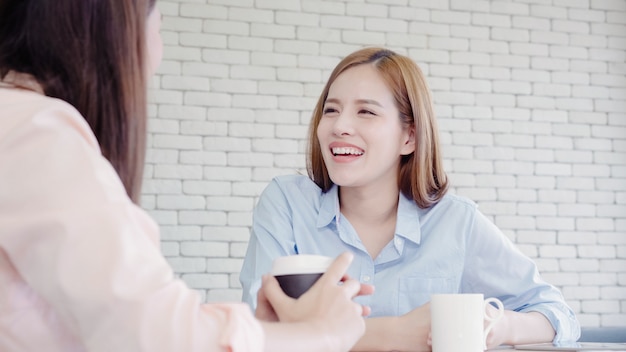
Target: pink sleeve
85, 249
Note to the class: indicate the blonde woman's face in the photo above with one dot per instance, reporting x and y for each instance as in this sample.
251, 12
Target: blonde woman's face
360, 132
154, 42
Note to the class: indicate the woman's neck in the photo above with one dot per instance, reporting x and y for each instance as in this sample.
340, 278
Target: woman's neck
22, 81
368, 205
372, 213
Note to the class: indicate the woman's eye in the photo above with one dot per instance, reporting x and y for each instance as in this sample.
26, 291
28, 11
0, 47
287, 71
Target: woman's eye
366, 112
329, 110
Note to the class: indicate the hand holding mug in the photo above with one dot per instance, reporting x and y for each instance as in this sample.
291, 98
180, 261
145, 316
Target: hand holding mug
499, 332
413, 330
295, 275
328, 305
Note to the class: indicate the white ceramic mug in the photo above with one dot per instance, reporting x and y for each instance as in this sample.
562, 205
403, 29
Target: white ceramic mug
457, 321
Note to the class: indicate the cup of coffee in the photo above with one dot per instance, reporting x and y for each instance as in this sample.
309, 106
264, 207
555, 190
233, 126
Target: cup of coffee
297, 273
457, 321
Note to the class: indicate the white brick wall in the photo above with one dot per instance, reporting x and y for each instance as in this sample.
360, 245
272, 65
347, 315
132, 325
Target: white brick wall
530, 96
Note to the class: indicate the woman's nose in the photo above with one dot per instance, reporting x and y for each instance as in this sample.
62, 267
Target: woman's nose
343, 124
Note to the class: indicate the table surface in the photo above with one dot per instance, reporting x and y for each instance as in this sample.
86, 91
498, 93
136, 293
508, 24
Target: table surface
578, 346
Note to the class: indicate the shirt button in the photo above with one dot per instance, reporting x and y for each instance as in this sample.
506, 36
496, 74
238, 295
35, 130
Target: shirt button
366, 278
398, 241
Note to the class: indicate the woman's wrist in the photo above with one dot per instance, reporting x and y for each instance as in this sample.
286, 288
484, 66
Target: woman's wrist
324, 340
393, 337
526, 327
509, 336
381, 334
303, 336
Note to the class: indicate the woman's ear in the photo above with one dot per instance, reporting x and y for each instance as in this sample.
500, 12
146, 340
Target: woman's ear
409, 141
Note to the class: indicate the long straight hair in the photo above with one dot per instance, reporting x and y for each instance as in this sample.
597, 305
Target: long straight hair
421, 175
91, 54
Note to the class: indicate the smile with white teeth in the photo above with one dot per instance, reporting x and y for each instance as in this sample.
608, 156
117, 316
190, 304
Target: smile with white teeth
346, 151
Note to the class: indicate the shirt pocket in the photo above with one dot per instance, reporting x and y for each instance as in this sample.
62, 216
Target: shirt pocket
415, 291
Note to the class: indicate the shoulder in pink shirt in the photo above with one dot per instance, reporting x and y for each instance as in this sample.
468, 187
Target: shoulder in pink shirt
80, 264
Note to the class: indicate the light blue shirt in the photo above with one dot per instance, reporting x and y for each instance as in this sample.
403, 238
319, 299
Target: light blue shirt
448, 248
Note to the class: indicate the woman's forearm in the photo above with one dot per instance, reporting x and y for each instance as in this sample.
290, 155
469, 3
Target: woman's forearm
531, 327
303, 337
403, 333
379, 335
400, 334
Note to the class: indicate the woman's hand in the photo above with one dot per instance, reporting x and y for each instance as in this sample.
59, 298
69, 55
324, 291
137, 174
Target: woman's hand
498, 334
264, 310
409, 332
328, 306
517, 328
414, 328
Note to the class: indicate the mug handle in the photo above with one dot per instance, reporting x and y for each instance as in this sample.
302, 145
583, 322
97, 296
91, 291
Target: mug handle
492, 320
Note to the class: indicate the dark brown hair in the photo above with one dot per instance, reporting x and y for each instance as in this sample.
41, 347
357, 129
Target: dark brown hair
91, 54
421, 175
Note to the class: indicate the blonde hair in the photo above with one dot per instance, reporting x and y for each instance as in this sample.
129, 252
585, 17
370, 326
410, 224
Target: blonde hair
421, 175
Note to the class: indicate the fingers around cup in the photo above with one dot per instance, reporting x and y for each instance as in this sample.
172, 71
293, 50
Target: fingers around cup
273, 292
367, 310
338, 268
366, 289
351, 287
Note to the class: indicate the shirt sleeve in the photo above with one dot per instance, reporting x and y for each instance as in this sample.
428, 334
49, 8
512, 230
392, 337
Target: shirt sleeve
513, 278
271, 237
73, 235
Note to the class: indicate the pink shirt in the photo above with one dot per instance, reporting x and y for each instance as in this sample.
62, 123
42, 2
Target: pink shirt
80, 264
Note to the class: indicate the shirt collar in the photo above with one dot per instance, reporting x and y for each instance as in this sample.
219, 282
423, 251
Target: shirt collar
329, 207
407, 224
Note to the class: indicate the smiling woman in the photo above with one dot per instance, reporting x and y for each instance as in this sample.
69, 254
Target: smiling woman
377, 187
399, 85
359, 133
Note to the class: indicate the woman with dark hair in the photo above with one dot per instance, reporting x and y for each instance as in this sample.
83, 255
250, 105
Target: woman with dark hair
377, 187
80, 263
